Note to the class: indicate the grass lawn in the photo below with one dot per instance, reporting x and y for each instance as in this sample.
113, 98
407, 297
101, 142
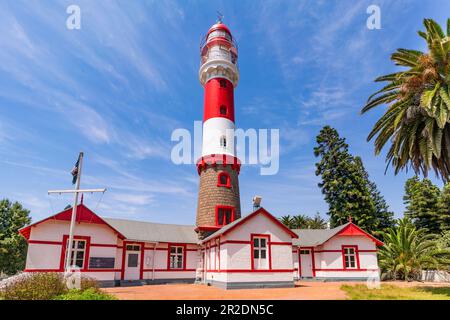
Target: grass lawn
392, 292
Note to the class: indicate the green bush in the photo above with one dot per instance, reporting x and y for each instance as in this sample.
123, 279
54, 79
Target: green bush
41, 286
88, 294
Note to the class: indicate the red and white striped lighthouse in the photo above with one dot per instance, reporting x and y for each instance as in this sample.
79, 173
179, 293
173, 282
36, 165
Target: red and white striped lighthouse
218, 201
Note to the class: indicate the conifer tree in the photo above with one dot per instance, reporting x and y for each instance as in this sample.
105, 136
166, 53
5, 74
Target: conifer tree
422, 204
444, 208
345, 183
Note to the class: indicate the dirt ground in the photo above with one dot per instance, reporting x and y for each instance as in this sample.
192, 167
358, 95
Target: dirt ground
303, 291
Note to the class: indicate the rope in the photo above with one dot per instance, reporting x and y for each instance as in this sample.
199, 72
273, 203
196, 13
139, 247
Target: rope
98, 203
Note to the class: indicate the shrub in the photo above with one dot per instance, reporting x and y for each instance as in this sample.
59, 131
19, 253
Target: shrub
33, 286
88, 294
41, 286
88, 283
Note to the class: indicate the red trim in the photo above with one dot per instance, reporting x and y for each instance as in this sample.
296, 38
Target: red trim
278, 243
313, 262
84, 214
236, 242
141, 267
356, 254
86, 251
353, 230
104, 245
170, 270
184, 255
250, 271
299, 263
253, 214
228, 181
269, 251
215, 159
42, 270
223, 218
58, 270
44, 242
349, 270
122, 270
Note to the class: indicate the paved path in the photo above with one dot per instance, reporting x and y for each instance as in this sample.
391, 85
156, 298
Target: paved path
302, 291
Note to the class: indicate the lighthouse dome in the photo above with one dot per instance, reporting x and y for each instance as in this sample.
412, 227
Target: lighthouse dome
219, 30
219, 26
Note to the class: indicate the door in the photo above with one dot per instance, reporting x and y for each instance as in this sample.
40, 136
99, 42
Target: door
306, 263
132, 262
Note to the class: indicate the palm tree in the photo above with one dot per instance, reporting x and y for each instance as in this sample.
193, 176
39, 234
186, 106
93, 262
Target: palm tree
317, 222
287, 221
417, 120
300, 222
408, 250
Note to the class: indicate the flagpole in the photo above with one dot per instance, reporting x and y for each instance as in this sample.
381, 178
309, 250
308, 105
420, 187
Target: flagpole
74, 214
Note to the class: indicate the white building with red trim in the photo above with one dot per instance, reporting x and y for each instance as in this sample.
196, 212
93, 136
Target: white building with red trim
223, 248
253, 251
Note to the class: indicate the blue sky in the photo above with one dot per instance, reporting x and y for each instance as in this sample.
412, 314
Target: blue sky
118, 87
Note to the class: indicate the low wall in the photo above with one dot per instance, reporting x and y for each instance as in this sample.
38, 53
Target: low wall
435, 276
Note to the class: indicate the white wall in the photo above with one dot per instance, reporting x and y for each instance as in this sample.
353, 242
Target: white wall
237, 256
43, 256
334, 260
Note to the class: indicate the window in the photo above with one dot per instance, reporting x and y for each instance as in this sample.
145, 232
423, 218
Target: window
223, 83
176, 257
225, 215
260, 255
223, 110
224, 180
223, 141
349, 257
78, 252
304, 252
131, 247
133, 260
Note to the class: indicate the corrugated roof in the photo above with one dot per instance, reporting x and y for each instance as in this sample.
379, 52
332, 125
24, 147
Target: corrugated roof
314, 237
223, 229
231, 225
154, 232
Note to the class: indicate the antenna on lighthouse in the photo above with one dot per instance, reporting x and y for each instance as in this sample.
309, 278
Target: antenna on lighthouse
219, 17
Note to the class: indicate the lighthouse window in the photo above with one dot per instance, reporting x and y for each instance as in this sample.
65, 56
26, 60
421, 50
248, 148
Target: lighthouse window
223, 141
223, 110
223, 83
223, 180
224, 215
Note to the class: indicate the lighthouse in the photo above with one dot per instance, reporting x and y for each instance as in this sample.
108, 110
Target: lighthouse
218, 166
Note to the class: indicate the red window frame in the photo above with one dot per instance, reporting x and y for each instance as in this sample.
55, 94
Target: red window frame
224, 220
355, 247
169, 246
268, 246
86, 252
220, 184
